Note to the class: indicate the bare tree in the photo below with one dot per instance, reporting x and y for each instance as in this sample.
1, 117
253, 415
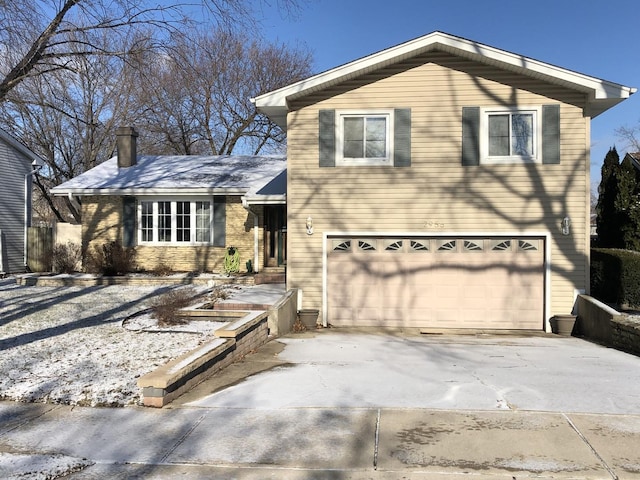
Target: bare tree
73, 70
38, 37
68, 118
198, 96
630, 137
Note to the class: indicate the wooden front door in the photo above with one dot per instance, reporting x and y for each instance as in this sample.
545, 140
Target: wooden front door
275, 235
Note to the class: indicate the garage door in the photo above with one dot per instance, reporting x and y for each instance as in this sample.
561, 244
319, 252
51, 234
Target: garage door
493, 283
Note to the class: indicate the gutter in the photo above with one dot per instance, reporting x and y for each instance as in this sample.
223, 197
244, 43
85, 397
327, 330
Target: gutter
162, 191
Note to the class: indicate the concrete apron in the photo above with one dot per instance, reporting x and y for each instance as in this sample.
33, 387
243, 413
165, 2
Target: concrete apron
327, 442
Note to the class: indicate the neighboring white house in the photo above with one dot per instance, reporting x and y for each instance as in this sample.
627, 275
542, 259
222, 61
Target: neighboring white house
15, 213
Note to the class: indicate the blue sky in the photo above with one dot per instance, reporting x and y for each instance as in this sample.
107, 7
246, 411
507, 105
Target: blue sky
597, 38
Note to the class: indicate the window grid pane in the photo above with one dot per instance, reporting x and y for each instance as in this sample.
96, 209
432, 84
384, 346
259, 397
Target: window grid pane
353, 137
183, 221
146, 221
522, 134
203, 221
164, 221
498, 135
376, 137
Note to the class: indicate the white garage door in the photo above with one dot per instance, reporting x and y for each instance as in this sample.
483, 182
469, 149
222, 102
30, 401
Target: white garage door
492, 283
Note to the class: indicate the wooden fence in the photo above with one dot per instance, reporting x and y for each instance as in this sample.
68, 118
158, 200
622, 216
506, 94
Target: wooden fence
39, 248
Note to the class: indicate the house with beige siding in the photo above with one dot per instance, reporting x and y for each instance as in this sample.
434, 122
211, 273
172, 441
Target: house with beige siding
440, 183
183, 212
17, 164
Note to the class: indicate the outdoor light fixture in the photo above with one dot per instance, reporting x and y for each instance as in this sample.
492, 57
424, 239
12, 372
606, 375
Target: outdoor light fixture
309, 226
566, 223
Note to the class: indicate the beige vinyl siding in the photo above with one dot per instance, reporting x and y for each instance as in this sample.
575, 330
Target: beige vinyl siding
437, 194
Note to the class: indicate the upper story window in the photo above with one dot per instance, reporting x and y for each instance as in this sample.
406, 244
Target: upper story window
510, 135
364, 138
178, 221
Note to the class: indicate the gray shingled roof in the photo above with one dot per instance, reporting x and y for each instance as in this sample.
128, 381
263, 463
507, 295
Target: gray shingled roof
187, 174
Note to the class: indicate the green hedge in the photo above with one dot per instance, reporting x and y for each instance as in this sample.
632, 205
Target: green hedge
615, 276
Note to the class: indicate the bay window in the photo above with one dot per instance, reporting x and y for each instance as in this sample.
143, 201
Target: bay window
175, 221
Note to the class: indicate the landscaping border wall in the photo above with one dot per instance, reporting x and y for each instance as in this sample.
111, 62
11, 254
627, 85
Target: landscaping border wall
603, 324
177, 377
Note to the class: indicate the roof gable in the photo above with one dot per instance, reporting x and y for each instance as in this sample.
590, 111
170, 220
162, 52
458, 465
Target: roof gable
601, 94
27, 154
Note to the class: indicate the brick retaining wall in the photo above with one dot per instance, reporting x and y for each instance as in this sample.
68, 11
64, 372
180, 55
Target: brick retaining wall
603, 324
234, 341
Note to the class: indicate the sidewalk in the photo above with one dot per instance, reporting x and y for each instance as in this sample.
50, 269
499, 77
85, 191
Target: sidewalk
323, 443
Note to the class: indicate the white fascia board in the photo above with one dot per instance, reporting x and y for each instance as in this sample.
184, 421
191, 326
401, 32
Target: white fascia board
79, 192
601, 88
265, 200
276, 101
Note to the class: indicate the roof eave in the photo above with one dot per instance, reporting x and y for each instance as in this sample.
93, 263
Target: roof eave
275, 104
141, 192
266, 199
603, 99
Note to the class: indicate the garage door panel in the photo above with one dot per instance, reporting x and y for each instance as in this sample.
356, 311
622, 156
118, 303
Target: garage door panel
396, 315
471, 283
340, 315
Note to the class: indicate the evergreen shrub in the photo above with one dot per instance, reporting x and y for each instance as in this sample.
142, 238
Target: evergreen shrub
615, 277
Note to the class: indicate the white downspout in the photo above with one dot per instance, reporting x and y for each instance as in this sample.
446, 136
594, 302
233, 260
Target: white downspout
1, 256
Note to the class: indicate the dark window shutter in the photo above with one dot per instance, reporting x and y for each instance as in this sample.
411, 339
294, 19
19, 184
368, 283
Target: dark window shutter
551, 134
470, 136
327, 138
128, 221
402, 137
219, 221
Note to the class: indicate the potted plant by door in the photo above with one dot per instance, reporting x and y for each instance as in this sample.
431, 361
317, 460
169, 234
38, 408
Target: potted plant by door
309, 318
563, 324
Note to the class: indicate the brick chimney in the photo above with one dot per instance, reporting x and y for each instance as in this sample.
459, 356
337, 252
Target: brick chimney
126, 144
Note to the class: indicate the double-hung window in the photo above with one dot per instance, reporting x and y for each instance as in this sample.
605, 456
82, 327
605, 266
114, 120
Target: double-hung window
364, 138
175, 221
510, 135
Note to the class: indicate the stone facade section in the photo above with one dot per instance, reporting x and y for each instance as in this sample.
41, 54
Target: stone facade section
102, 223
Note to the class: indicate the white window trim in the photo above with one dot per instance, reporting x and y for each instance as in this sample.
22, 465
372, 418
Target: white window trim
363, 162
174, 200
484, 136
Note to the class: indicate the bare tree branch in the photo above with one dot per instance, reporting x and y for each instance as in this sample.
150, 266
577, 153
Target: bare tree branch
630, 137
24, 23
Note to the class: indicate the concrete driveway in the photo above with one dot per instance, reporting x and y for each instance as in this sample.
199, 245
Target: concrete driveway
336, 368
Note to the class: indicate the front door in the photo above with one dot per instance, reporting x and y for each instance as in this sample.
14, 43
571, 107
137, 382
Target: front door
275, 235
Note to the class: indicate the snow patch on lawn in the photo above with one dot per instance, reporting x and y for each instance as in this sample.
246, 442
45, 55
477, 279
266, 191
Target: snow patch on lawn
69, 344
39, 467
